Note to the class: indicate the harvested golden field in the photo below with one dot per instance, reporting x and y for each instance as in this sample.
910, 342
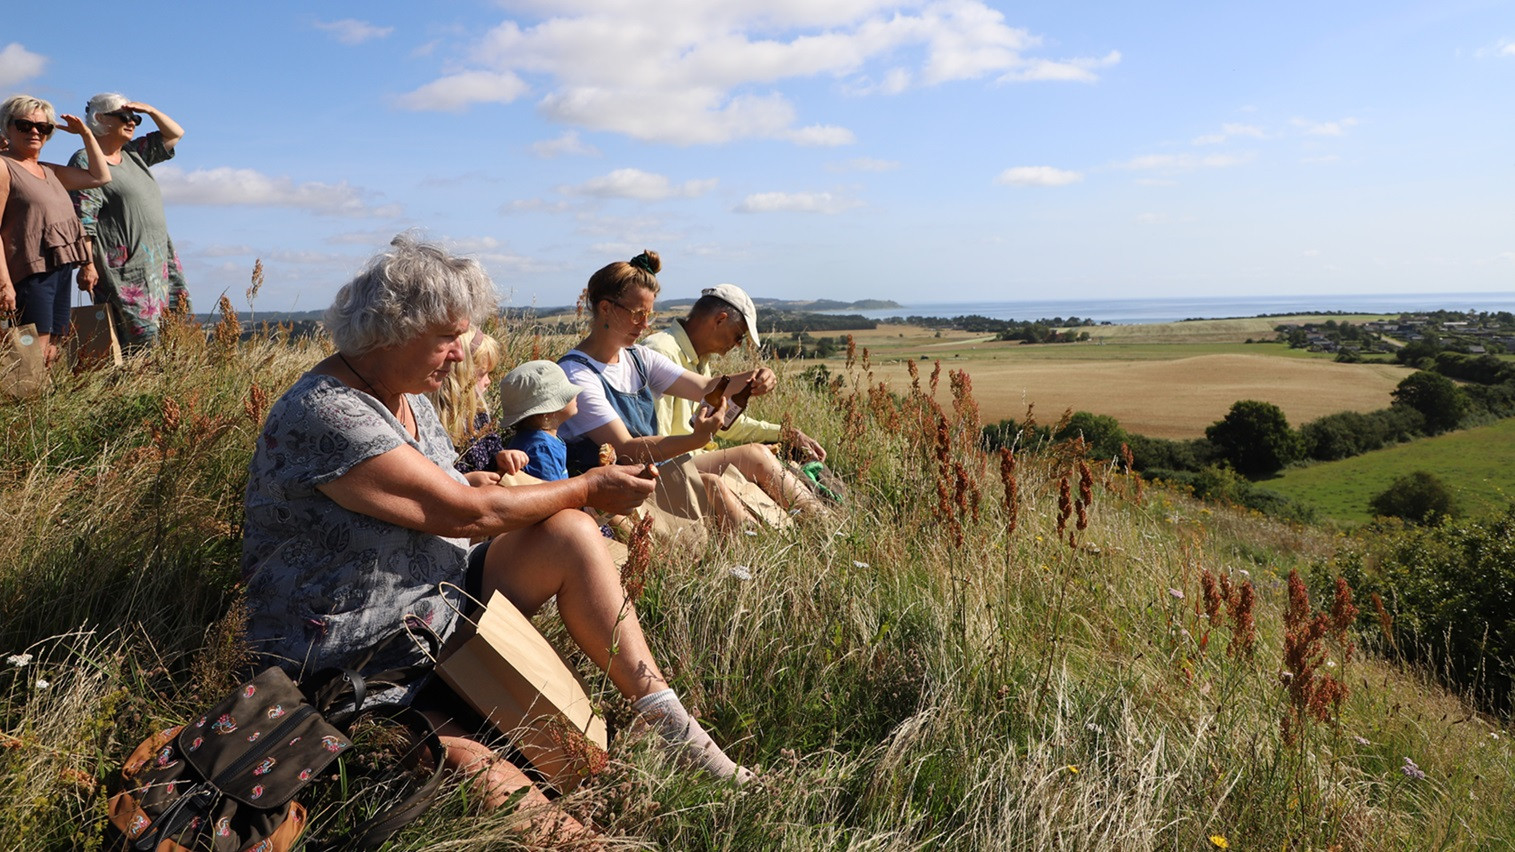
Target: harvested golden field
1174, 398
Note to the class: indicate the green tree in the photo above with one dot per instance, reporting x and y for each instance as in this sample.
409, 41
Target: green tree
1442, 403
1102, 431
1419, 497
1255, 438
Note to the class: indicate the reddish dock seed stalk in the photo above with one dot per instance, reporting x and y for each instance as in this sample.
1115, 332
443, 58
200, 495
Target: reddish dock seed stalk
1012, 489
1064, 505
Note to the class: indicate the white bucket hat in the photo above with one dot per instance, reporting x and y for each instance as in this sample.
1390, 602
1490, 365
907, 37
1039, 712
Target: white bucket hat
737, 298
535, 387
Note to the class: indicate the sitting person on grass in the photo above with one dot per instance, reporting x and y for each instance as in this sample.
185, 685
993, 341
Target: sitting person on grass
722, 318
536, 398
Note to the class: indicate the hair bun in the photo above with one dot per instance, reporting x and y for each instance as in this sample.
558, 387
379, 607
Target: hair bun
648, 262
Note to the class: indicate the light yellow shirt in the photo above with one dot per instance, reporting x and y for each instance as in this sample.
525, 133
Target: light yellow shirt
674, 413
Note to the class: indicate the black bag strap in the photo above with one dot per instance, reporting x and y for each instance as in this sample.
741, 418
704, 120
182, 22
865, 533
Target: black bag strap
373, 832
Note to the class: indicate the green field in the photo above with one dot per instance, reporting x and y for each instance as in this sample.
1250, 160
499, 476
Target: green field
1477, 464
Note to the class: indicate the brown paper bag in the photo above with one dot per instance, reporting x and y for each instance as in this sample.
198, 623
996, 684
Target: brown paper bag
508, 672
678, 505
23, 362
95, 341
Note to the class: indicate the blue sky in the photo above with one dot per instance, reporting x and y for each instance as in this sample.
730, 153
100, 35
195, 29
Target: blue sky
922, 152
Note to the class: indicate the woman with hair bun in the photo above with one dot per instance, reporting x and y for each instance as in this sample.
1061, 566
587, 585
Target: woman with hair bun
621, 380
136, 270
42, 238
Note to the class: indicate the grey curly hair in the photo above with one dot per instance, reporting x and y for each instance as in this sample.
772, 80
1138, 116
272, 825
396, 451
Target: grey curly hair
403, 292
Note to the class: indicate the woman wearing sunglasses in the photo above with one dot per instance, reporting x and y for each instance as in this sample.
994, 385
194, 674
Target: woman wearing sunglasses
136, 270
621, 380
42, 238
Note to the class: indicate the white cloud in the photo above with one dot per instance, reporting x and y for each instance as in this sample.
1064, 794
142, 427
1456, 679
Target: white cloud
535, 205
457, 92
1173, 163
820, 135
1037, 176
471, 245
225, 251
708, 73
375, 238
247, 187
1152, 219
639, 185
795, 202
1324, 128
1229, 131
1508, 49
17, 64
1071, 70
568, 144
353, 31
864, 164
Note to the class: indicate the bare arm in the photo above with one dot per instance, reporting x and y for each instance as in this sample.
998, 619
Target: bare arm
170, 129
407, 489
7, 289
656, 448
99, 170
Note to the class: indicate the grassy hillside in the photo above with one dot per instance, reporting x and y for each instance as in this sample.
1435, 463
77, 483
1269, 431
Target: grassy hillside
939, 668
1477, 464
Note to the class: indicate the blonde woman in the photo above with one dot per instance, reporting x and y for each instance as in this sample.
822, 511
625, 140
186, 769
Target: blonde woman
42, 238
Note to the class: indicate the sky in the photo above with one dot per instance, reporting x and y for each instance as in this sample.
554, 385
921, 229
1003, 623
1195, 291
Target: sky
924, 152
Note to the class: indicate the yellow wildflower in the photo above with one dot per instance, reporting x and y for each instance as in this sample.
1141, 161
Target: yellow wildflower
1219, 841
1073, 769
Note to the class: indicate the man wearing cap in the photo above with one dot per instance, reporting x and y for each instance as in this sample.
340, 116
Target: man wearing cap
718, 322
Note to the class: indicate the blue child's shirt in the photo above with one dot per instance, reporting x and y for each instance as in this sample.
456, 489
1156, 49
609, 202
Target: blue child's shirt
547, 452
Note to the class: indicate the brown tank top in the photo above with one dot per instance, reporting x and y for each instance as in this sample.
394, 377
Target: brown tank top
39, 228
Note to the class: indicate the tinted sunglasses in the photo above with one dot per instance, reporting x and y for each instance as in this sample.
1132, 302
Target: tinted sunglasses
126, 117
42, 127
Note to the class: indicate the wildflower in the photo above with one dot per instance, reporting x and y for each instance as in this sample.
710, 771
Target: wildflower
741, 572
1219, 841
1072, 769
1176, 594
43, 684
18, 660
749, 532
1362, 741
1412, 771
857, 564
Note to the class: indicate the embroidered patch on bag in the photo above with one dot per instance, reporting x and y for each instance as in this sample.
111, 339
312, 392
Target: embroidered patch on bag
263, 768
332, 744
253, 737
276, 711
224, 725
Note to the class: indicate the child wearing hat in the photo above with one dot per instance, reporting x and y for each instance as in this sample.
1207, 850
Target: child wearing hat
536, 398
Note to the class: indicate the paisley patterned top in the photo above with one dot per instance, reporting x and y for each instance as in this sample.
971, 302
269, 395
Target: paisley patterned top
139, 270
325, 584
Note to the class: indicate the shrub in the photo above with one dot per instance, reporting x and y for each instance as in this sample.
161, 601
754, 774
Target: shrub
1419, 497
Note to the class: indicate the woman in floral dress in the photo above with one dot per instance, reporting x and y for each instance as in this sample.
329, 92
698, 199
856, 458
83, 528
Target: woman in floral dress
136, 270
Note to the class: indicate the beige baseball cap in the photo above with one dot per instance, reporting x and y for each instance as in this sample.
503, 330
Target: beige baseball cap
737, 298
535, 387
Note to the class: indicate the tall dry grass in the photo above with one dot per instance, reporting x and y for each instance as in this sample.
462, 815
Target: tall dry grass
916, 673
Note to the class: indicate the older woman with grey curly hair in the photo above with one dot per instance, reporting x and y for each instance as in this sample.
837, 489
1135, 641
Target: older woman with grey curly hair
135, 270
356, 519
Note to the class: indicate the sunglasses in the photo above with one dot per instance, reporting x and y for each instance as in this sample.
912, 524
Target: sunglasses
126, 117
637, 316
43, 128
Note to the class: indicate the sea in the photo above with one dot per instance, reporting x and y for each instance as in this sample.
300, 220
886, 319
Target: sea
1173, 309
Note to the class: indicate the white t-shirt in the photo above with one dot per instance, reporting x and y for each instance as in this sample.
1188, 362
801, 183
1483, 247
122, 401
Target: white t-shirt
594, 409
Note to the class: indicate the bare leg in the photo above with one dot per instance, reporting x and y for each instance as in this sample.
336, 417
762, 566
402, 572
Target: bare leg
730, 514
565, 556
495, 778
762, 467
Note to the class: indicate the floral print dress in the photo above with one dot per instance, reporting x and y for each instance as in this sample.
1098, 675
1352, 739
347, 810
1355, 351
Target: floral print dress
140, 275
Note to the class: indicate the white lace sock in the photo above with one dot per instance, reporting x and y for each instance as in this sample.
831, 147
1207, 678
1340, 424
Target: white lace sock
666, 714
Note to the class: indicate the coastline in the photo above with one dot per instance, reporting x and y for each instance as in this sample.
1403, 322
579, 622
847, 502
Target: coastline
1175, 309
